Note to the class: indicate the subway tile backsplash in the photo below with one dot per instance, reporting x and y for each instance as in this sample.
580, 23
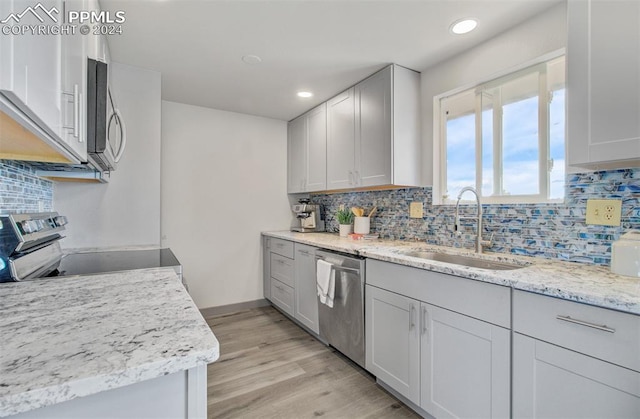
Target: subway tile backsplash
21, 190
553, 231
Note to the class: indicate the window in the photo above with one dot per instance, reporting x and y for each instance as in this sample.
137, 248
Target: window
506, 138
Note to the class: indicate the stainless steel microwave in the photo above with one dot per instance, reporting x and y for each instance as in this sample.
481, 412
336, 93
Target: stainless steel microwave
106, 131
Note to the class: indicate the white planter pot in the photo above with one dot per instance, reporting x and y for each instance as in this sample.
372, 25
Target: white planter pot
345, 229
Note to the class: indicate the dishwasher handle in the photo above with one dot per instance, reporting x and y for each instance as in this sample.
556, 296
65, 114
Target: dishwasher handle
340, 268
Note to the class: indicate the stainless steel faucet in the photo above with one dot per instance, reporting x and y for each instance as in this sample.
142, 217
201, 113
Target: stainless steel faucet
479, 242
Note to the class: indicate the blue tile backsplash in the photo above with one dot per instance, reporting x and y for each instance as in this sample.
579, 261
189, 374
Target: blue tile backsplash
21, 190
553, 231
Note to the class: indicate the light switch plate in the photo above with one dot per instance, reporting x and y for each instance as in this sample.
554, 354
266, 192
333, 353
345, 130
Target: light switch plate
605, 212
416, 210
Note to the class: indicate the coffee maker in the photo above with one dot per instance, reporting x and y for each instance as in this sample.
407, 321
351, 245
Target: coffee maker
307, 217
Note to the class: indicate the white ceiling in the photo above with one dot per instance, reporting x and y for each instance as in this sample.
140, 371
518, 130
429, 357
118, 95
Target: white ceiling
322, 46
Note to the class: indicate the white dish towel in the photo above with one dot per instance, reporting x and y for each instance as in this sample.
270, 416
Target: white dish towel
326, 282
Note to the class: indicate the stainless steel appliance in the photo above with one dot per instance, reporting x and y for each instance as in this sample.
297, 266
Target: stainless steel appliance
30, 249
106, 131
342, 325
307, 217
29, 245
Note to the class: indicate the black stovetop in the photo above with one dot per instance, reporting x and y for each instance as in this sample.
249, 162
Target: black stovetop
115, 261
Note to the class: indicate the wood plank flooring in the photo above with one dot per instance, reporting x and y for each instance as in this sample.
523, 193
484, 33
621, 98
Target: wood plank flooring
271, 368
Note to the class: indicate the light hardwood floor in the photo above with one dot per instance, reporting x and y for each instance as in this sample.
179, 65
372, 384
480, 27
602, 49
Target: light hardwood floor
271, 368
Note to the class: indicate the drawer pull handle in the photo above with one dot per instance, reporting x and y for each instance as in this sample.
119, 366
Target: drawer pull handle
603, 327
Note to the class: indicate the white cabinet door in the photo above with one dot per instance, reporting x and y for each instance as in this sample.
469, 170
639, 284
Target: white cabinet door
316, 156
553, 382
296, 155
31, 73
373, 129
465, 365
306, 303
603, 67
74, 85
341, 141
393, 341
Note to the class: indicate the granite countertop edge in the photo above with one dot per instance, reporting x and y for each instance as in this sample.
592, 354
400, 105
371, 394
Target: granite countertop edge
111, 364
578, 282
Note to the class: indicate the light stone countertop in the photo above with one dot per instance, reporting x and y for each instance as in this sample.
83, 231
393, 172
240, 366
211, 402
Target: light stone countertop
68, 337
588, 284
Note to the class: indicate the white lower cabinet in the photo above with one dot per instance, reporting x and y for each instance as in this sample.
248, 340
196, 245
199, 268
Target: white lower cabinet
439, 352
289, 275
282, 296
393, 341
449, 364
306, 301
465, 365
573, 360
553, 382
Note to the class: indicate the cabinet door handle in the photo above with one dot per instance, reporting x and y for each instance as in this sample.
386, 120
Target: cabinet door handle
411, 322
304, 252
603, 327
75, 128
424, 320
76, 112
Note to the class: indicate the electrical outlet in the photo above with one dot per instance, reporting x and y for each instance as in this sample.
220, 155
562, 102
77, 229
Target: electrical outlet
416, 210
604, 212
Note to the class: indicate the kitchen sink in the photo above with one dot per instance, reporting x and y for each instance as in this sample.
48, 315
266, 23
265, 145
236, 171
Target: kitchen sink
464, 260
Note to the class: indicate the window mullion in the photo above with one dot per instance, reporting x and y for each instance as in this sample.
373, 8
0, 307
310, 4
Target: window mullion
478, 154
543, 135
497, 144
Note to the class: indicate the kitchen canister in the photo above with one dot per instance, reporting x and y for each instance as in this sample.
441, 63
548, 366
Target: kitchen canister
361, 225
625, 254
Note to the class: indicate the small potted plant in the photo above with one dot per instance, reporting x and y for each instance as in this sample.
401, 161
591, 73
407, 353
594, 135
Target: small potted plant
345, 219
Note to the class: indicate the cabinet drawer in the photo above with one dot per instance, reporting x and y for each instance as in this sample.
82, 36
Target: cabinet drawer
282, 296
282, 247
488, 302
602, 333
282, 269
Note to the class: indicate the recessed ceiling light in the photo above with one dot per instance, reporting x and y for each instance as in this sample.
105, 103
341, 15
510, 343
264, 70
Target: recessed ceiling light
305, 94
463, 26
251, 59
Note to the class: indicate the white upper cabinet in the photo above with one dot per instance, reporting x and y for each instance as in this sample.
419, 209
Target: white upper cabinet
341, 139
373, 136
296, 155
30, 71
373, 130
603, 83
307, 152
74, 87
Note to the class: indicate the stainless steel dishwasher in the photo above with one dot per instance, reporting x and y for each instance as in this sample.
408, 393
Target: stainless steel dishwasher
342, 325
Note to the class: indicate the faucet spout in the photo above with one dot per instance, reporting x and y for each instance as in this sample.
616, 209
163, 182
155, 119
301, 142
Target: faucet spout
478, 217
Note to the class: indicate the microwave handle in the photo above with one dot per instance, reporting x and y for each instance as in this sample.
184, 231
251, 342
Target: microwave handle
123, 134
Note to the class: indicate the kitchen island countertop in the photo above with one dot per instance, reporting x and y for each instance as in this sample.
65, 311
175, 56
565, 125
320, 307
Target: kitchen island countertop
68, 337
589, 284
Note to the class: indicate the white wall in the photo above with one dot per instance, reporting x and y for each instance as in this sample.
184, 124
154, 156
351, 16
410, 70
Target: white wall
534, 38
223, 182
126, 211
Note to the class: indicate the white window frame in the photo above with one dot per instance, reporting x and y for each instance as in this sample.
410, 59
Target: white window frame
439, 147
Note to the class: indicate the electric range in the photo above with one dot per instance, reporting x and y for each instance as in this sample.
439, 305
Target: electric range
30, 249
